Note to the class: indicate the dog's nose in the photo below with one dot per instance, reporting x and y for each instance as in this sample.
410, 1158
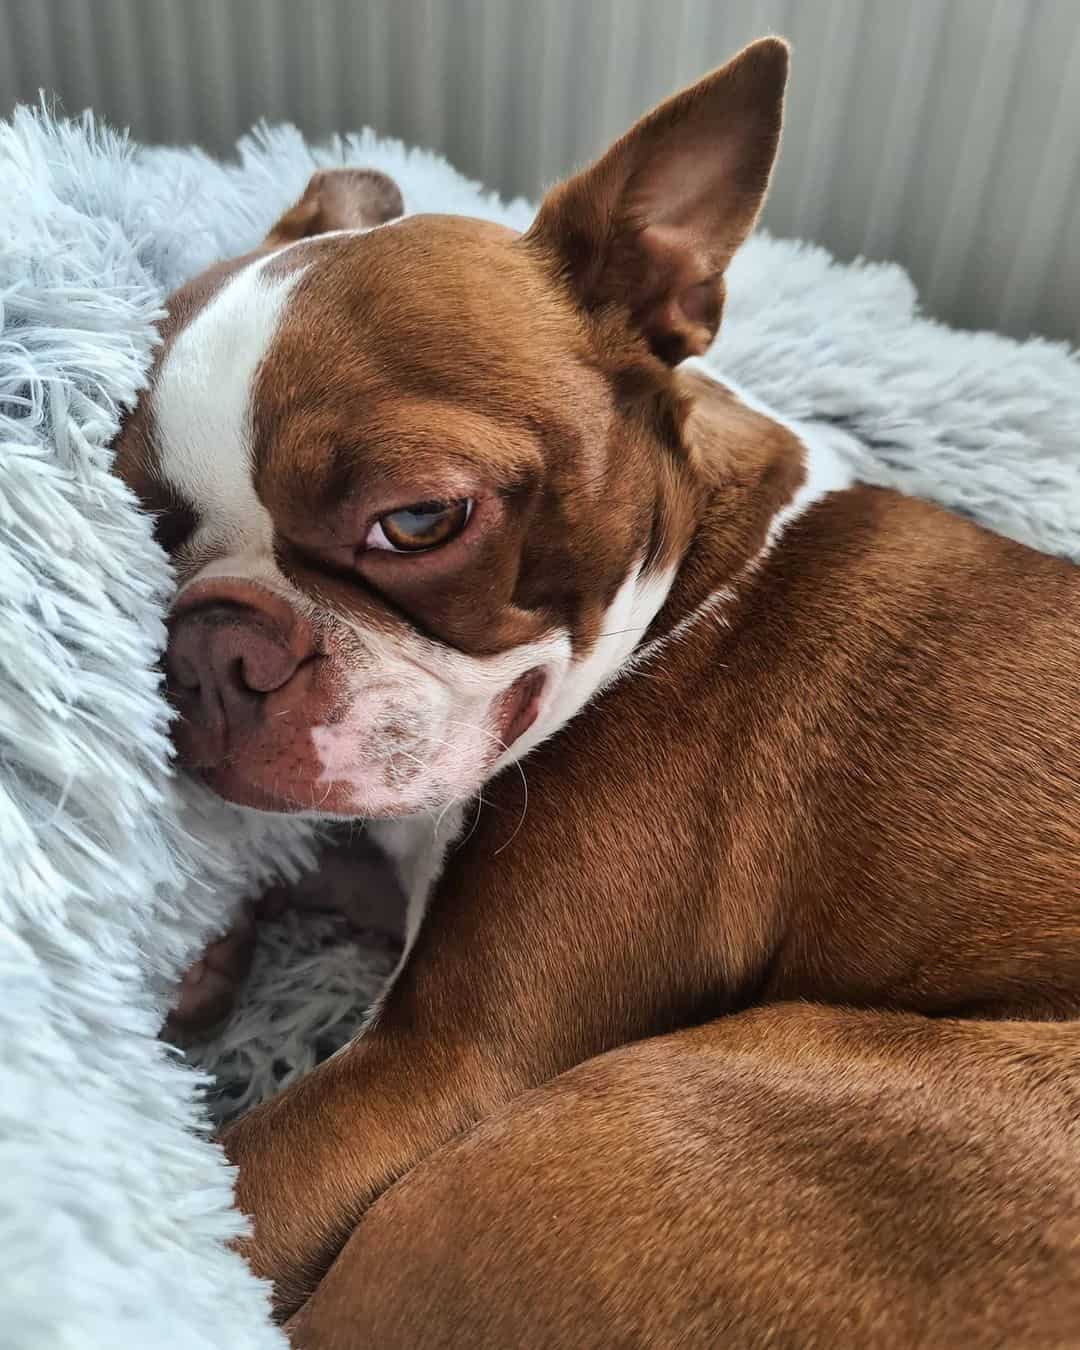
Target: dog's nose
228, 649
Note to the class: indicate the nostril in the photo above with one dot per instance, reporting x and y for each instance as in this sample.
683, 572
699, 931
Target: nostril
236, 674
265, 664
233, 651
230, 649
225, 658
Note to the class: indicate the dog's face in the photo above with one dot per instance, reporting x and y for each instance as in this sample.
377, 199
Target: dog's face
424, 481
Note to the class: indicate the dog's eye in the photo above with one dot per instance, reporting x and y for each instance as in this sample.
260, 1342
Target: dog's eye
420, 526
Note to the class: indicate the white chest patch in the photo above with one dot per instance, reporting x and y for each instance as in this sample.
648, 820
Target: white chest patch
202, 407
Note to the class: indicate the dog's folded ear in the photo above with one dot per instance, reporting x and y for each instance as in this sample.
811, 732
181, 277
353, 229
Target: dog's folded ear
338, 199
652, 225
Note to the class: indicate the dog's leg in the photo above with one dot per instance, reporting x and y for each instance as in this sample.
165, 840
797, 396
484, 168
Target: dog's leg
796, 1175
517, 973
378, 878
208, 990
354, 878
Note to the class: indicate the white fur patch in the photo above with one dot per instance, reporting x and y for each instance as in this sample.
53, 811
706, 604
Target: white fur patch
636, 604
202, 409
828, 455
416, 729
715, 606
417, 845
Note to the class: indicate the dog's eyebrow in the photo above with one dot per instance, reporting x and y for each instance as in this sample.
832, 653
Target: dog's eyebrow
468, 447
387, 474
419, 460
310, 451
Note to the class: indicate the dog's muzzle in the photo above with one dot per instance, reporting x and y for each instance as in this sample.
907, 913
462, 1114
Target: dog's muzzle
243, 671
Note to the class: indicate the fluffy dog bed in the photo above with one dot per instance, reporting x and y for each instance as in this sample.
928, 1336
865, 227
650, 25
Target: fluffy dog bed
115, 1209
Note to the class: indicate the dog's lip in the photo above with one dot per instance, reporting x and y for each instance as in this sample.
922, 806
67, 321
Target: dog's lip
521, 705
246, 780
236, 787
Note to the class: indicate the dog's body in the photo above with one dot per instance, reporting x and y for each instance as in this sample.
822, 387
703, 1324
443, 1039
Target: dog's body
794, 1175
821, 804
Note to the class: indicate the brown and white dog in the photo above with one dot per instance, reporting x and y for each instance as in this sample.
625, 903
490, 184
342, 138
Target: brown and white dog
738, 1013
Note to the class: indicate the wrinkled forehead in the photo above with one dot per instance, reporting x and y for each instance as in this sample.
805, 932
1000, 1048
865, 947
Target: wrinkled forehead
426, 335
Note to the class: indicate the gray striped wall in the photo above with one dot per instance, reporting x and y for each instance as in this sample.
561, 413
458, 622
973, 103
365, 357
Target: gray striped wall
943, 133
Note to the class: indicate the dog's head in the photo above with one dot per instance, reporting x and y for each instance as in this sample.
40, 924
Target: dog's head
425, 482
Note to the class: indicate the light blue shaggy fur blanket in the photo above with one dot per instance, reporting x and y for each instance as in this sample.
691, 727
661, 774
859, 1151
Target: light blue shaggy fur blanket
115, 1205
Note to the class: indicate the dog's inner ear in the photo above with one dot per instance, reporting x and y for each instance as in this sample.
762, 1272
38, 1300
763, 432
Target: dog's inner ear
338, 199
652, 225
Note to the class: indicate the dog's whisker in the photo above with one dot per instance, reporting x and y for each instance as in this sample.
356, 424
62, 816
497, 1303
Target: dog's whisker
476, 817
524, 783
524, 809
620, 632
442, 814
484, 731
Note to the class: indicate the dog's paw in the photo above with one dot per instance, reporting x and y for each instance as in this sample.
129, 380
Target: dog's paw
208, 990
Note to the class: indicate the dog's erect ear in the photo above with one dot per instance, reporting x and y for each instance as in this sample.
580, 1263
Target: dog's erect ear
653, 223
338, 199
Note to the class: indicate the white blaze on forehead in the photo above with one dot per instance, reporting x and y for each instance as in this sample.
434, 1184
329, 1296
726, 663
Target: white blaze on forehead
202, 406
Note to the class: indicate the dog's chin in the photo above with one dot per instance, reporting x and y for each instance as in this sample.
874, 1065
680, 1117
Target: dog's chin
232, 785
318, 800
285, 777
330, 801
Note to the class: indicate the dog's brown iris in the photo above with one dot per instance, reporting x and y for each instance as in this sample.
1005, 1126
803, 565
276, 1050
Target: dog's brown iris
424, 524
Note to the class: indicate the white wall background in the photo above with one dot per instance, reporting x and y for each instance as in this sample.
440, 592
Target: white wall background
943, 133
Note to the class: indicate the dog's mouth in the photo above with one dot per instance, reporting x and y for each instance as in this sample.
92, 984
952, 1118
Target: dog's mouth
290, 765
520, 706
